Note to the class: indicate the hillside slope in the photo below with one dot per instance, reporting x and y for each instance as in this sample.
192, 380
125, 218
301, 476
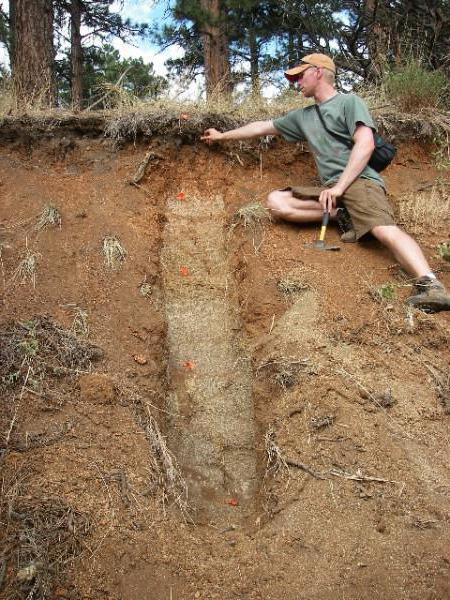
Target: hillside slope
304, 407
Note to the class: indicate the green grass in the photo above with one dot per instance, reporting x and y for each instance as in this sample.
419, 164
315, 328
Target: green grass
384, 293
411, 87
444, 250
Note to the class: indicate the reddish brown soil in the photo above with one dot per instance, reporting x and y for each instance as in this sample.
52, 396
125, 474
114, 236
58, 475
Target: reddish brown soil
308, 538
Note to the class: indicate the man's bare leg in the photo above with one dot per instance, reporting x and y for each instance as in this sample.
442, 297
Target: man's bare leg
283, 205
404, 248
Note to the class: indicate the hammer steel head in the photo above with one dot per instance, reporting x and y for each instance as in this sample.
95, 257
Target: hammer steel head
320, 245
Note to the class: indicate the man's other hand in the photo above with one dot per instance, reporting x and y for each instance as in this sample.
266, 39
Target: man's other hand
328, 197
211, 135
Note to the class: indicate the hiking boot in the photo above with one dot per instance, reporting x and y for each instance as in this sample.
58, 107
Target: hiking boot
430, 295
349, 236
345, 225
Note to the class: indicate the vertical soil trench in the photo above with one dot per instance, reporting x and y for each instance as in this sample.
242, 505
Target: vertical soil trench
211, 423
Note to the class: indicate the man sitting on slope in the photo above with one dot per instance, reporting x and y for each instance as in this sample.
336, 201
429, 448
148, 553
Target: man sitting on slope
349, 183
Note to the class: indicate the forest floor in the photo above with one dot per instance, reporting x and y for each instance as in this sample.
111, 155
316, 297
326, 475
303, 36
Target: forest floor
195, 405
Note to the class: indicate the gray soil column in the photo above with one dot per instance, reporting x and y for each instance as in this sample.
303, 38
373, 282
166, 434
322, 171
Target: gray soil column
211, 421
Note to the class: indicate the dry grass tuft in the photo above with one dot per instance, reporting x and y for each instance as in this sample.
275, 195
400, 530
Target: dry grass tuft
114, 253
252, 215
42, 537
80, 326
49, 217
25, 272
116, 96
145, 289
292, 285
284, 371
166, 115
32, 350
426, 210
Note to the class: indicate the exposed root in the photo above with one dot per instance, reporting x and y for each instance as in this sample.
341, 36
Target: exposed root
30, 441
277, 462
253, 217
140, 171
166, 467
166, 474
358, 476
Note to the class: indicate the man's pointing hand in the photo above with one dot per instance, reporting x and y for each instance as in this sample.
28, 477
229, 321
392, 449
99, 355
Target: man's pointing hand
211, 135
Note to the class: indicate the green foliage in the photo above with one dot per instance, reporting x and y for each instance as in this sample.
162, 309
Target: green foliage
413, 87
29, 343
104, 65
253, 28
386, 292
444, 251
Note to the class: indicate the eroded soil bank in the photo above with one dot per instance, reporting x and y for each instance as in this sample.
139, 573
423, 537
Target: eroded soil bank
333, 399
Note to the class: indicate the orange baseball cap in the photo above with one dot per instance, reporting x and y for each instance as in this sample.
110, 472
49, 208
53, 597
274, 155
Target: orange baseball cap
312, 60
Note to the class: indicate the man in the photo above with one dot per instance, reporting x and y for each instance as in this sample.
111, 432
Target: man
349, 183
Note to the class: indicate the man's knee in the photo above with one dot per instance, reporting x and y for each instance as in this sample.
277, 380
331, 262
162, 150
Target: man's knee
277, 201
386, 233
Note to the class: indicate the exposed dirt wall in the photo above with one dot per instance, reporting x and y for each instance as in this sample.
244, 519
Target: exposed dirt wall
348, 388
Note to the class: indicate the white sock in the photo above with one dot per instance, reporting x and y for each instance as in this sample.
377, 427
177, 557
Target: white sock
430, 275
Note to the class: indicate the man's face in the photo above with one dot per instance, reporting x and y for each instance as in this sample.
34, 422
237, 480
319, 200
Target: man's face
307, 81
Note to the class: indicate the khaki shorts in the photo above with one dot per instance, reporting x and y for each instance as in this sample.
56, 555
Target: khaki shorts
365, 200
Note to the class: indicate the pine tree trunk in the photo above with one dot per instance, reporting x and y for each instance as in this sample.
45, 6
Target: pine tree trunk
12, 34
291, 51
76, 55
33, 53
216, 51
377, 36
254, 65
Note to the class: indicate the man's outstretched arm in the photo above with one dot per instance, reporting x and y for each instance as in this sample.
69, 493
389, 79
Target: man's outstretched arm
252, 130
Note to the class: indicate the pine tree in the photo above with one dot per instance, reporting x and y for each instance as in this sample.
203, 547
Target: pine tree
104, 65
380, 34
100, 23
32, 53
246, 32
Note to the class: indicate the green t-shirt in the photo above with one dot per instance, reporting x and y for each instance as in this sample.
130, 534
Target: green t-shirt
341, 113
